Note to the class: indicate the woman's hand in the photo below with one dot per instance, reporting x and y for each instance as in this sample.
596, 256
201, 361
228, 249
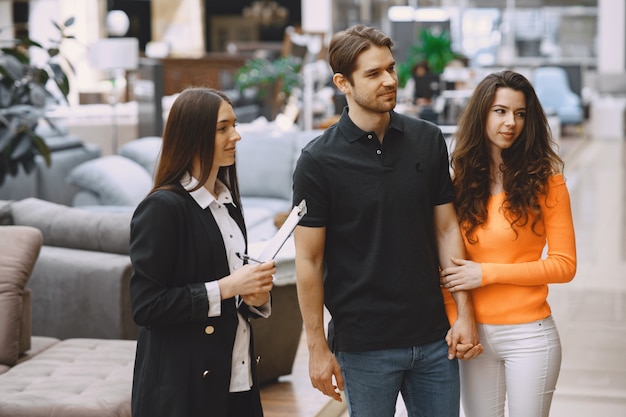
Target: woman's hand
256, 299
466, 275
249, 281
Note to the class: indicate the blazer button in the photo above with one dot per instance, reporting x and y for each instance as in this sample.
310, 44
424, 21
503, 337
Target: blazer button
206, 374
258, 359
209, 330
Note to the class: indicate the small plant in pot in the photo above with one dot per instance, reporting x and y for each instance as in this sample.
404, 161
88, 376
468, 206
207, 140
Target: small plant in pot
273, 79
26, 90
433, 48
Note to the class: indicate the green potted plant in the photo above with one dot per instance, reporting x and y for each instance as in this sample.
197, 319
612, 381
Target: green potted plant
433, 48
273, 79
26, 90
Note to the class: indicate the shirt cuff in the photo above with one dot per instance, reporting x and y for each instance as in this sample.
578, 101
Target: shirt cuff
215, 298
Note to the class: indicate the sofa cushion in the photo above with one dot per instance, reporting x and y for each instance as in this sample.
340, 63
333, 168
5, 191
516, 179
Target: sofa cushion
73, 227
145, 151
19, 248
117, 180
37, 345
73, 378
51, 180
265, 164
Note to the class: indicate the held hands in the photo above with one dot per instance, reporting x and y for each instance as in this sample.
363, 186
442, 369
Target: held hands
252, 282
466, 275
462, 351
463, 340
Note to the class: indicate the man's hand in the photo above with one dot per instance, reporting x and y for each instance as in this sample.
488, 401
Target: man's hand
463, 341
324, 370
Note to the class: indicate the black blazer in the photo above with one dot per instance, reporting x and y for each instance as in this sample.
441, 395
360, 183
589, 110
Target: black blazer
183, 359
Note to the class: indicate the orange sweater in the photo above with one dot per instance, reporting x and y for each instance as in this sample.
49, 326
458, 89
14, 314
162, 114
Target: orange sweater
515, 272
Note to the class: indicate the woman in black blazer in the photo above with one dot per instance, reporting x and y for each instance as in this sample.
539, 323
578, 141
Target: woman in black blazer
191, 295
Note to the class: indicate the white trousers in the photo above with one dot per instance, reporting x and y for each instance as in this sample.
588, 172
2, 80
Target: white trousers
520, 364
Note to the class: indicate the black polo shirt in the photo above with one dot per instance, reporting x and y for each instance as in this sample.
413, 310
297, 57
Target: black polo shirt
381, 282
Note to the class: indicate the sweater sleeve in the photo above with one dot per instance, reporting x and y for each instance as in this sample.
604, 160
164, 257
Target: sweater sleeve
559, 266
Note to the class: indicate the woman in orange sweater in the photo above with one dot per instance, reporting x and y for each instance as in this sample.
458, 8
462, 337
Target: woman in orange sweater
511, 201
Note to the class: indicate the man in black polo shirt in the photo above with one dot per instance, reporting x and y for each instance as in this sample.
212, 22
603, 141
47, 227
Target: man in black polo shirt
380, 223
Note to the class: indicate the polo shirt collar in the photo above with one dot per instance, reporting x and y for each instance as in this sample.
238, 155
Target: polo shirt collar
354, 133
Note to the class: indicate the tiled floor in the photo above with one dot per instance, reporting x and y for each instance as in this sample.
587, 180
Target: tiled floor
591, 310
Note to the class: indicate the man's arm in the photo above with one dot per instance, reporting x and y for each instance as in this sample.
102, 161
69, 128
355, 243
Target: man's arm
309, 271
463, 336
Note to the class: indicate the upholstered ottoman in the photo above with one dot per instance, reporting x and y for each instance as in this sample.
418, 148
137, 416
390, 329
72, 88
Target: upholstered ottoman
73, 378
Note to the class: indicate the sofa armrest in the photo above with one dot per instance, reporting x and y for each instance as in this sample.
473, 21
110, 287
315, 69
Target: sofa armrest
19, 247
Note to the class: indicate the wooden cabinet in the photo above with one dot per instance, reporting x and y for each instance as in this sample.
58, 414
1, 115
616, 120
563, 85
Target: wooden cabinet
216, 70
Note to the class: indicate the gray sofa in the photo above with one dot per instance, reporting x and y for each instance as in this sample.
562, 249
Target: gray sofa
80, 282
266, 157
44, 376
49, 182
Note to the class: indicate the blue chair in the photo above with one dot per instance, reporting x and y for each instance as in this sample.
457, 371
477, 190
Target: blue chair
554, 92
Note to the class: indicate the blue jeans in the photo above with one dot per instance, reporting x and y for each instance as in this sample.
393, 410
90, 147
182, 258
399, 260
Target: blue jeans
427, 379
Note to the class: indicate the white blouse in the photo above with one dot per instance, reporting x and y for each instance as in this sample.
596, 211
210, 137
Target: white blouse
241, 376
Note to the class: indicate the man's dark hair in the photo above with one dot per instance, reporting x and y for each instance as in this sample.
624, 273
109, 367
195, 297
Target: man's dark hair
347, 45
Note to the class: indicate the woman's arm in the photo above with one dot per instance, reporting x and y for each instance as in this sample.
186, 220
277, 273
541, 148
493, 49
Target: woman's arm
463, 336
559, 266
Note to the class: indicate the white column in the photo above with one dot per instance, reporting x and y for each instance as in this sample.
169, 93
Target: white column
6, 20
317, 16
87, 28
607, 112
611, 36
506, 52
180, 24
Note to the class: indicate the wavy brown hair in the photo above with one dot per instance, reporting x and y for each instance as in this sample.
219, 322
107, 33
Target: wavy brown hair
189, 132
527, 164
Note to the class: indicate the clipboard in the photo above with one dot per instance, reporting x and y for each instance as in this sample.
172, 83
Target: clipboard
276, 243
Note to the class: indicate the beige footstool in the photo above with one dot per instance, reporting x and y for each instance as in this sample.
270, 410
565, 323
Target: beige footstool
73, 378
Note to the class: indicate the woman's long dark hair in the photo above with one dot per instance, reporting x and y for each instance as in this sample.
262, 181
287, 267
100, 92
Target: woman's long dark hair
189, 132
527, 164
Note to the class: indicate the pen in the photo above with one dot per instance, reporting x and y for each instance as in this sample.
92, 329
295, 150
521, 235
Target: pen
244, 257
